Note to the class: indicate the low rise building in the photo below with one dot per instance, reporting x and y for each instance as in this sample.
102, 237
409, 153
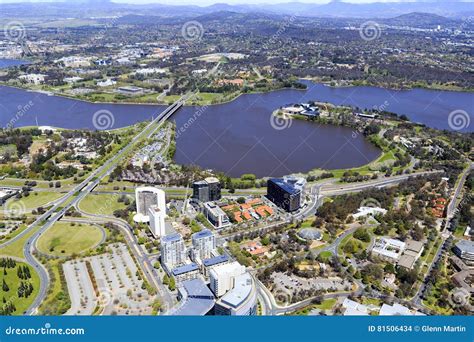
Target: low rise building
388, 249
195, 299
411, 254
216, 216
35, 79
464, 249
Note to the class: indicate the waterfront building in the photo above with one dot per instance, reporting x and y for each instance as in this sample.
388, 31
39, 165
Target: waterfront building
173, 251
284, 194
147, 197
207, 190
201, 191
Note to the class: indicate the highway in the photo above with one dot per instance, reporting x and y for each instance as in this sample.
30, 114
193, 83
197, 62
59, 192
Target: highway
45, 221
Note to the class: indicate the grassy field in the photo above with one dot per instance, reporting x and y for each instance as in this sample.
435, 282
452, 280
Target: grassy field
16, 248
64, 239
326, 304
102, 204
13, 282
34, 200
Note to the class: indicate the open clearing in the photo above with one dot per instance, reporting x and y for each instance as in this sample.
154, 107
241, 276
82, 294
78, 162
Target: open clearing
64, 239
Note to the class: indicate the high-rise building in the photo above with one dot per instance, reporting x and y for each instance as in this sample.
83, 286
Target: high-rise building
204, 244
284, 194
241, 300
207, 190
222, 277
214, 188
173, 250
147, 197
201, 191
157, 216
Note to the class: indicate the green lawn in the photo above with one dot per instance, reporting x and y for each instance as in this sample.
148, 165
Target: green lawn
102, 204
34, 200
13, 282
16, 248
64, 239
326, 304
326, 255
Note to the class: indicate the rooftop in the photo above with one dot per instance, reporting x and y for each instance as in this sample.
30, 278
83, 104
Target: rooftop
202, 233
466, 246
185, 269
197, 299
215, 260
288, 187
171, 237
243, 285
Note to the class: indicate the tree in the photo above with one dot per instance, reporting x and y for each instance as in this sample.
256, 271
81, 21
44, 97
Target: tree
172, 285
5, 287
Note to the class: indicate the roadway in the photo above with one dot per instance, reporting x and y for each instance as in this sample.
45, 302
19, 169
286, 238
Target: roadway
317, 193
452, 206
45, 221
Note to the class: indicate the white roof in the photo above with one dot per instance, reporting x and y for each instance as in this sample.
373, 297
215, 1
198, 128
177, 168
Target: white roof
397, 310
354, 309
364, 211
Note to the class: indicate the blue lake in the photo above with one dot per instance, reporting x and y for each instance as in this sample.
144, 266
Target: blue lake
237, 137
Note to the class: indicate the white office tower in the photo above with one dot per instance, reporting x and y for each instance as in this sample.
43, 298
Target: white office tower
147, 197
204, 243
222, 277
157, 221
173, 250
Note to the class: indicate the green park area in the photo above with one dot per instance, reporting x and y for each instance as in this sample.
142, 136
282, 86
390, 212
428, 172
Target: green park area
33, 201
19, 286
325, 305
102, 204
65, 239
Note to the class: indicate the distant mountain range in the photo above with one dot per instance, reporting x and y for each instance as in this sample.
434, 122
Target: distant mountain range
336, 9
